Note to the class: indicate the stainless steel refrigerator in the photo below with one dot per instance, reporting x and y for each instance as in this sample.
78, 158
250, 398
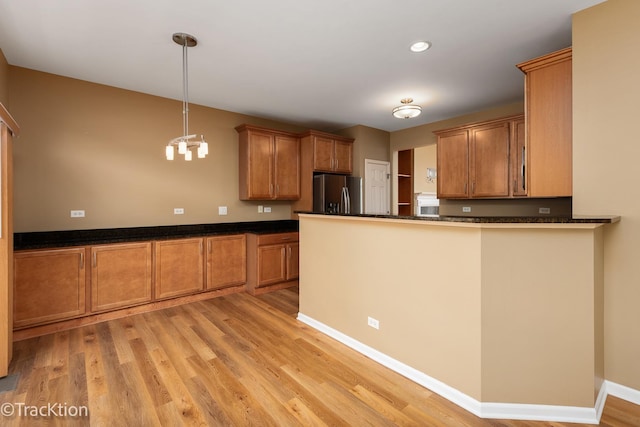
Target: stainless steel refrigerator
337, 194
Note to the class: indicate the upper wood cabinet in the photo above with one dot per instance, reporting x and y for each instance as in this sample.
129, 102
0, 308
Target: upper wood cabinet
475, 160
331, 153
120, 275
49, 285
269, 166
226, 261
548, 111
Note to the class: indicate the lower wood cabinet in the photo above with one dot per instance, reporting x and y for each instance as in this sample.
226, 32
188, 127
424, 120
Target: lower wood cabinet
179, 267
49, 285
272, 261
53, 285
120, 275
226, 261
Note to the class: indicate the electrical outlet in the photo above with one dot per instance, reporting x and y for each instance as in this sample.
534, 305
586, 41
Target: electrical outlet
373, 323
267, 209
466, 209
178, 211
260, 209
222, 210
77, 214
544, 210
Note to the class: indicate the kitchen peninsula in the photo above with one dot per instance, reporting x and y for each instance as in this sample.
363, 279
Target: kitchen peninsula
502, 316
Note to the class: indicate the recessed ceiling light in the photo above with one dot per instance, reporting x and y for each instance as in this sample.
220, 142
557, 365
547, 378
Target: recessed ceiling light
420, 46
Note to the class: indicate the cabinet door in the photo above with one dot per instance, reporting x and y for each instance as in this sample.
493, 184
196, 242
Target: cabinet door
287, 168
453, 164
489, 160
343, 157
179, 267
226, 261
323, 152
550, 131
293, 260
260, 166
518, 158
48, 285
120, 275
271, 264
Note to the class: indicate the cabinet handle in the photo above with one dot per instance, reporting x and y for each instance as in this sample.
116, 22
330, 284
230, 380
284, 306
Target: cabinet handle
201, 247
209, 246
277, 189
465, 188
95, 260
473, 187
289, 252
81, 260
337, 163
271, 189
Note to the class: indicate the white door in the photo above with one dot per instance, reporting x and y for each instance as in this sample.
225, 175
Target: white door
377, 187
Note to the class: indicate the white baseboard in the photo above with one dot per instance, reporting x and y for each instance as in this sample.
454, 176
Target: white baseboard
483, 409
623, 392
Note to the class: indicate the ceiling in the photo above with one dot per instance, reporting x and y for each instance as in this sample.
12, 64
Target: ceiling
323, 64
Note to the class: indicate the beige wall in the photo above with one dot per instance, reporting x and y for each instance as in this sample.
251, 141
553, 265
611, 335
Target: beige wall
423, 158
101, 149
4, 78
505, 313
605, 165
370, 143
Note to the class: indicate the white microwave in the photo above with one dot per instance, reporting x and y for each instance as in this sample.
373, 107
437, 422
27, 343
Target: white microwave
427, 204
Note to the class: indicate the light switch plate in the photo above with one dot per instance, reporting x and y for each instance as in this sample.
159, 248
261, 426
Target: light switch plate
267, 209
77, 214
222, 210
178, 211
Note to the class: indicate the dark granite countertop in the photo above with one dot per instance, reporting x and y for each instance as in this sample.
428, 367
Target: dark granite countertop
54, 239
603, 219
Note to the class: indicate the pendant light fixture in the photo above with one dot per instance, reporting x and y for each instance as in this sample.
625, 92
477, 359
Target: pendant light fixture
406, 110
185, 142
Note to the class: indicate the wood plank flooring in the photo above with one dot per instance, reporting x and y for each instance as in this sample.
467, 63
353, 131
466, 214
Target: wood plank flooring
236, 360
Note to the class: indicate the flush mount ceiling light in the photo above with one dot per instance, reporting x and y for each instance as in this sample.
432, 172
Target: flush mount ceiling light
406, 110
185, 142
420, 46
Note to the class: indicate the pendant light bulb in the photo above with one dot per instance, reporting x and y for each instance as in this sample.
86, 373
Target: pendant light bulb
169, 152
188, 156
205, 148
182, 147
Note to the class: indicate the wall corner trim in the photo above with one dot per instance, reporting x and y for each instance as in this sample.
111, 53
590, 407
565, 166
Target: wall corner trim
511, 411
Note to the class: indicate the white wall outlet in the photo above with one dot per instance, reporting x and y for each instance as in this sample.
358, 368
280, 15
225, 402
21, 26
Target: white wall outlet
466, 209
267, 209
260, 209
77, 214
373, 323
178, 211
222, 210
545, 211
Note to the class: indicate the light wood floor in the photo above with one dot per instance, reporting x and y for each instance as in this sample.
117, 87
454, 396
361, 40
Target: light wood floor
236, 360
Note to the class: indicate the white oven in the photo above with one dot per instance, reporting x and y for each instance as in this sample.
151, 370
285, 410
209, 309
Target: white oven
427, 204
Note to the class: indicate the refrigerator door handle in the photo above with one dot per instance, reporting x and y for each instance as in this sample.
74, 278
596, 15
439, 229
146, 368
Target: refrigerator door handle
346, 202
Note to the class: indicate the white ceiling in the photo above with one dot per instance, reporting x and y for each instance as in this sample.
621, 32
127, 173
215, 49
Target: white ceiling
324, 64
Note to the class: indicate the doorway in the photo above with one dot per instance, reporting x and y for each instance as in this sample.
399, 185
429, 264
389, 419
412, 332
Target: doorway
377, 187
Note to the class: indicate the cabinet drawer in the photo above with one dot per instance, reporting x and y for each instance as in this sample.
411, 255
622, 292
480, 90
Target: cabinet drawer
274, 239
